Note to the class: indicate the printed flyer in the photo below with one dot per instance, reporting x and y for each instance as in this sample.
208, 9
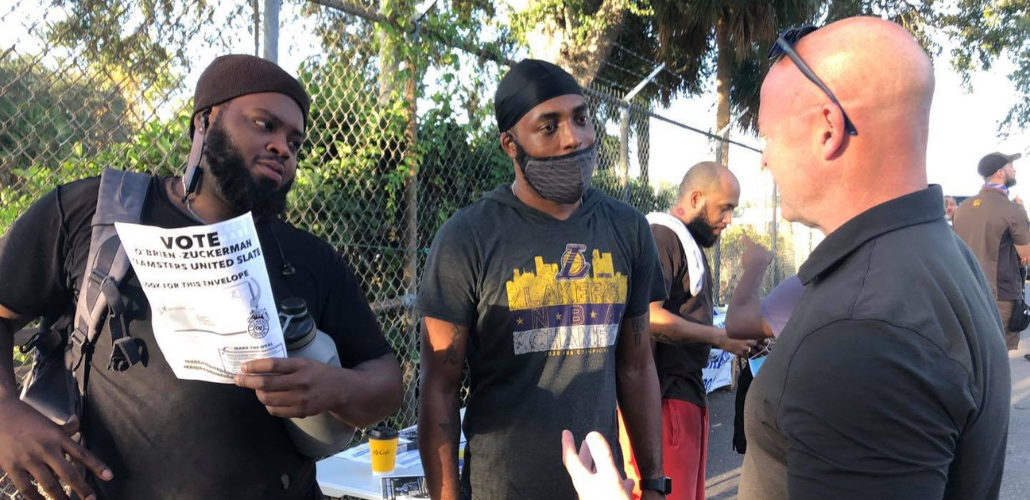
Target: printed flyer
209, 293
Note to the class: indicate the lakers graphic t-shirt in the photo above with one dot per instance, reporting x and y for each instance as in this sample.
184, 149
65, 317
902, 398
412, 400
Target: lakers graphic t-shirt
543, 300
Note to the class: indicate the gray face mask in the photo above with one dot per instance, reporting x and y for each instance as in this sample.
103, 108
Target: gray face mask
561, 179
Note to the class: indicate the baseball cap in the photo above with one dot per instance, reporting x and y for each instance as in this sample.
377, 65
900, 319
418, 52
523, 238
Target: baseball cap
995, 161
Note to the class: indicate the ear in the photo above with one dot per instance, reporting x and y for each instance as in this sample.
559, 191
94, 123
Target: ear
697, 199
508, 145
201, 121
831, 131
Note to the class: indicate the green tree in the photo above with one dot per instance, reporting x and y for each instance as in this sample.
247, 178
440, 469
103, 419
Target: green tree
736, 34
46, 113
728, 38
103, 69
143, 43
577, 35
159, 147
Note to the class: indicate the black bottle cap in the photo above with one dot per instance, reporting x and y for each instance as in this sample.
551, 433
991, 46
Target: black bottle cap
294, 306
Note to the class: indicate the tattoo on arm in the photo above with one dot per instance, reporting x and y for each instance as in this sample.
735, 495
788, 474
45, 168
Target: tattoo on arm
452, 357
637, 326
665, 339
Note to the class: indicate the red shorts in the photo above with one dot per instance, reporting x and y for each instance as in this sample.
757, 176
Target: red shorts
684, 449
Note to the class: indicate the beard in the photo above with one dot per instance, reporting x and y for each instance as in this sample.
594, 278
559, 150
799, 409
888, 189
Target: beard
1010, 181
234, 183
702, 231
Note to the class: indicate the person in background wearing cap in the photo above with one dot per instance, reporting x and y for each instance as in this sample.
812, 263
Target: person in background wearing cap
543, 287
995, 229
150, 435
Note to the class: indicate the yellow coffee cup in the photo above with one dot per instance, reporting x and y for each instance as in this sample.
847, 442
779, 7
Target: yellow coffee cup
382, 444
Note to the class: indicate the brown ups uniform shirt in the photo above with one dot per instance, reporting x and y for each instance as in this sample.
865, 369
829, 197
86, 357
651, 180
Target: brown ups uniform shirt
991, 226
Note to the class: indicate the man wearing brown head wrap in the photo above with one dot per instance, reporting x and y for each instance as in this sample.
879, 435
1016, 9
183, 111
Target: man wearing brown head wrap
891, 380
147, 433
543, 288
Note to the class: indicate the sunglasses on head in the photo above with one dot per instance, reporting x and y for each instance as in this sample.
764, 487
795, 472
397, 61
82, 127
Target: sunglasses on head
785, 46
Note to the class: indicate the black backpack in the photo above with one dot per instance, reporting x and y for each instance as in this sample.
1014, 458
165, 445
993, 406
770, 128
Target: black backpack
57, 382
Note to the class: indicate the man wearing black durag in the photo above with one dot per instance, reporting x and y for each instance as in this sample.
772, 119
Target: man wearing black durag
543, 287
149, 435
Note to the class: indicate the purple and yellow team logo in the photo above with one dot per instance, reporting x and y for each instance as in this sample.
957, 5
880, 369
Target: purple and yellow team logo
574, 265
572, 307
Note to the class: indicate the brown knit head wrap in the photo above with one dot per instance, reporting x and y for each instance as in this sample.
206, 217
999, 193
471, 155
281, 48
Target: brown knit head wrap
234, 75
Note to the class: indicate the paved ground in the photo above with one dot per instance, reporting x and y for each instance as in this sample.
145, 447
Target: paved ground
724, 463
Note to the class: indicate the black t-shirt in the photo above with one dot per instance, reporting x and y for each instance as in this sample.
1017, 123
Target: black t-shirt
166, 438
680, 366
891, 380
544, 300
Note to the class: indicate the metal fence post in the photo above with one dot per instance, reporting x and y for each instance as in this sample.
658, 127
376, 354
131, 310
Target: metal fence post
272, 30
624, 153
411, 244
624, 132
411, 189
717, 253
256, 5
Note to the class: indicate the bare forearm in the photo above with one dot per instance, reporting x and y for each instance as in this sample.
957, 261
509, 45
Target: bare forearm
639, 396
747, 288
641, 403
744, 317
669, 328
439, 422
439, 427
369, 393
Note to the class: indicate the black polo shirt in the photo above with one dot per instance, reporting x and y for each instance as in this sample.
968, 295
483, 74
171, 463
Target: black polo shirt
890, 380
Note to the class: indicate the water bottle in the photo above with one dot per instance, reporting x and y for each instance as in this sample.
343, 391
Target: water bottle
320, 435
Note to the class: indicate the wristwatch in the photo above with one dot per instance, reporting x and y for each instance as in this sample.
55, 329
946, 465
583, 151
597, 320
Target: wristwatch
662, 485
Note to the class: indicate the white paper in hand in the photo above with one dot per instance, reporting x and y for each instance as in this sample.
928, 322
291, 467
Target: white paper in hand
210, 297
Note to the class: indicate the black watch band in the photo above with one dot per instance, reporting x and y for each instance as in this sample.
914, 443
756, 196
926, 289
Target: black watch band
662, 485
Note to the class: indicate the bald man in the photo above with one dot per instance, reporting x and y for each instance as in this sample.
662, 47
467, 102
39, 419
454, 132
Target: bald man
681, 325
890, 381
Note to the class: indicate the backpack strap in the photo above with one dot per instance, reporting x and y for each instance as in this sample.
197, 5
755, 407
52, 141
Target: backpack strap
121, 199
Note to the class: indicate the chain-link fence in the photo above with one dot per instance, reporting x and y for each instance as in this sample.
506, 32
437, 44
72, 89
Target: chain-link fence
401, 132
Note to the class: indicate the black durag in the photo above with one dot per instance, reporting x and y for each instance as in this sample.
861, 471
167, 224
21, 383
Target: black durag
527, 84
